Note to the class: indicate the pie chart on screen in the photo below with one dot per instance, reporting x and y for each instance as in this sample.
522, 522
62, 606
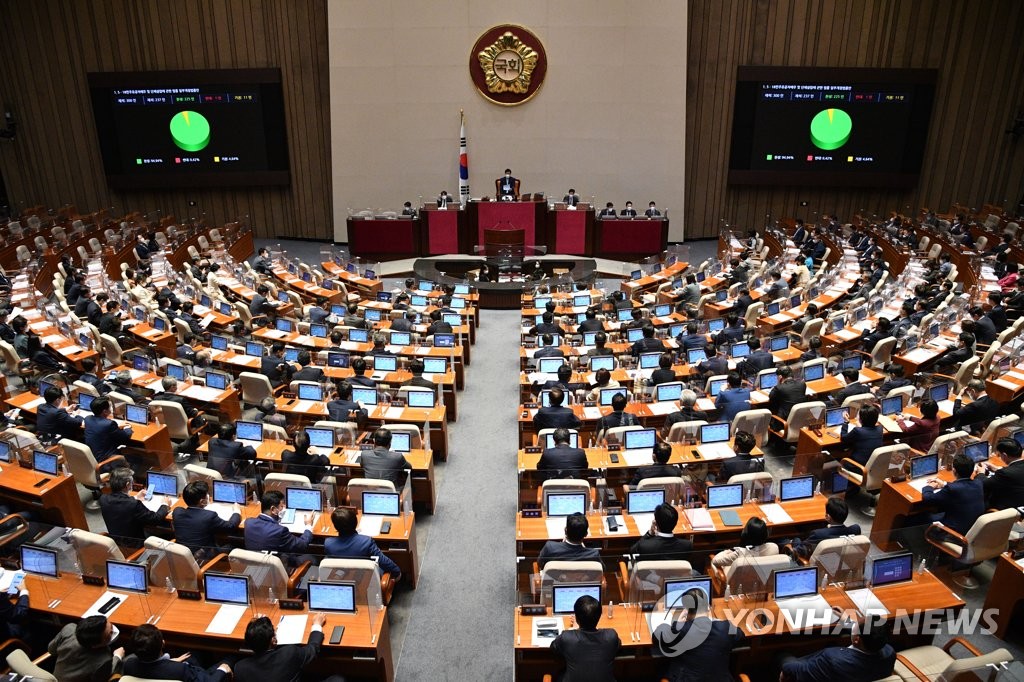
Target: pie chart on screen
190, 130
830, 129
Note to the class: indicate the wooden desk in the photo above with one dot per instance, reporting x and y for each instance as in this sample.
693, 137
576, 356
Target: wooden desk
367, 288
896, 502
365, 648
1005, 593
166, 342
56, 501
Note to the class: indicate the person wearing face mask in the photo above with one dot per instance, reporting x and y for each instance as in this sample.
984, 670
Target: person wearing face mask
266, 534
507, 187
443, 200
629, 211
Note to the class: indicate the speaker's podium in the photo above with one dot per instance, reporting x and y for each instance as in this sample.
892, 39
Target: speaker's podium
527, 214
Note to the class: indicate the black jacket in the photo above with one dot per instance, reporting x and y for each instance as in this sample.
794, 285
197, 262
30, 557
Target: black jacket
563, 461
588, 654
282, 663
555, 417
127, 517
197, 528
55, 421
226, 455
1005, 488
785, 396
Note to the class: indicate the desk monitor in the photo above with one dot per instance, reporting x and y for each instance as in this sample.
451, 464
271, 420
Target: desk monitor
814, 372
421, 399
773, 308
672, 390
715, 433
163, 484
384, 296
549, 365
304, 499
313, 392
218, 342
796, 582
39, 561
318, 331
229, 492
225, 308
320, 438
1019, 437
716, 386
716, 325
924, 466
139, 313
337, 359
159, 324
400, 339
283, 325
462, 289
624, 314
85, 401
834, 416
5, 451
306, 277
641, 439
365, 395
635, 334
352, 268
217, 380
564, 596
338, 310
136, 414
636, 274
454, 319
675, 330
381, 504
139, 362
839, 483
358, 335
768, 380
663, 310
644, 501
778, 343
590, 338
852, 362
84, 340
701, 276
895, 568
418, 301
607, 394
435, 365
205, 301
675, 589
372, 315
978, 452
254, 349
695, 356
602, 362
251, 431
44, 462
677, 283
385, 363
291, 354
444, 340
796, 488
565, 503
369, 274
728, 495
545, 397
739, 350
574, 440
458, 303
541, 302
892, 405
721, 295
176, 371
401, 441
838, 323
224, 588
649, 360
124, 575
335, 597
939, 392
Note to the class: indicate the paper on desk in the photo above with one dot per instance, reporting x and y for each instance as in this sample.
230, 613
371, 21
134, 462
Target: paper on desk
705, 404
202, 392
370, 525
352, 456
422, 350
556, 527
643, 522
847, 334
304, 405
775, 513
918, 484
592, 412
1015, 374
35, 402
94, 610
700, 518
7, 577
149, 333
806, 612
226, 619
36, 326
540, 377
919, 355
758, 397
303, 340
552, 627
1006, 384
867, 603
394, 413
205, 322
52, 338
158, 501
635, 458
663, 408
299, 524
292, 629
222, 509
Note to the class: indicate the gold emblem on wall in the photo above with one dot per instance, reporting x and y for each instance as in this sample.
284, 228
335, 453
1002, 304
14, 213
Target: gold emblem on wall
508, 65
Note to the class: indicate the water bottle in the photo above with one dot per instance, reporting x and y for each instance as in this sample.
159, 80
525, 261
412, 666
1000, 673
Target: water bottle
64, 469
923, 566
168, 585
271, 597
817, 488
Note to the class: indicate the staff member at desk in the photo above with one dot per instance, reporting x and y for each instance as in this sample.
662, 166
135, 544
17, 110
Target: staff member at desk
571, 199
226, 453
589, 653
563, 461
570, 548
629, 211
126, 516
351, 545
197, 527
555, 415
52, 420
382, 462
1004, 488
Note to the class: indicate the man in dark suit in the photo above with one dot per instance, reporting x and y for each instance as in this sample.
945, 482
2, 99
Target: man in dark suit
800, 235
418, 380
997, 311
308, 372
864, 439
149, 661
265, 533
102, 434
589, 653
226, 454
273, 663
647, 344
743, 302
976, 415
960, 502
262, 264
359, 377
197, 527
687, 411
836, 511
169, 393
957, 356
127, 517
1004, 487
343, 408
406, 323
351, 545
744, 462
778, 288
90, 377
507, 187
547, 325
548, 349
571, 199
555, 415
758, 360
732, 400
882, 330
716, 364
437, 324
869, 658
591, 323
732, 332
629, 211
85, 304
443, 200
110, 321
608, 211
563, 461
853, 386
652, 211
53, 420
275, 367
984, 328
382, 462
352, 318
714, 639
260, 305
570, 548
787, 393
618, 416
692, 340
659, 543
660, 468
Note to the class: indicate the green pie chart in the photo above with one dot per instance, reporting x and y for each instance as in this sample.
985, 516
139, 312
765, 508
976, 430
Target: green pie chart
190, 130
830, 129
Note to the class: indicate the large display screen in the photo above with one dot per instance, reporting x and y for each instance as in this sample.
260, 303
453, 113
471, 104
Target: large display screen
830, 127
162, 129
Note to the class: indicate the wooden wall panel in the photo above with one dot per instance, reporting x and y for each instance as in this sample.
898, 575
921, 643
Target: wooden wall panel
49, 46
969, 158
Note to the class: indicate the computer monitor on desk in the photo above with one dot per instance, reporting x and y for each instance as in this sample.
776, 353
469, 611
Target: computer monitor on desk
939, 392
715, 387
672, 390
599, 362
41, 561
320, 438
778, 343
385, 363
565, 503
892, 405
5, 451
162, 484
549, 365
634, 334
640, 439
715, 433
224, 588
365, 395
124, 575
924, 466
249, 431
565, 595
314, 392
401, 441
649, 360
44, 462
136, 414
228, 492
644, 501
608, 394
304, 499
739, 350
814, 372
380, 503
675, 589
892, 569
796, 488
724, 496
978, 452
795, 582
219, 342
254, 349
768, 380
695, 356
217, 380
333, 597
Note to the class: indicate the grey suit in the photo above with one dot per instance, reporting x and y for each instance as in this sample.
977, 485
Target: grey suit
386, 464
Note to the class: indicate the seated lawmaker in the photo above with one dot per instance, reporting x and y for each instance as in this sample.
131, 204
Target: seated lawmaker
836, 512
226, 454
563, 461
660, 544
555, 415
660, 468
271, 661
299, 460
920, 432
343, 408
81, 651
264, 533
753, 542
381, 462
617, 417
307, 371
733, 400
714, 640
197, 527
959, 502
744, 462
102, 434
589, 652
869, 657
53, 420
126, 517
864, 439
149, 661
1004, 487
648, 344
664, 374
571, 547
687, 411
351, 545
